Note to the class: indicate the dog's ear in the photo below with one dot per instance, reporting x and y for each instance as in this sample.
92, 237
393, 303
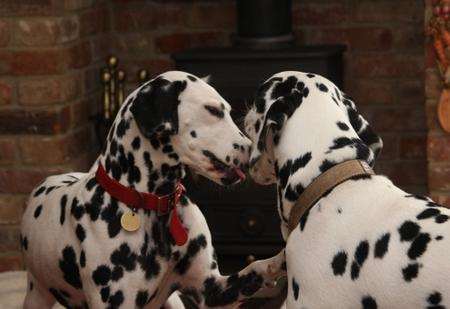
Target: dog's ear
273, 123
155, 107
363, 128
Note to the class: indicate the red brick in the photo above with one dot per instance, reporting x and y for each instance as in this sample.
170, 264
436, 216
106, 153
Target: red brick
94, 21
410, 92
134, 43
357, 38
433, 84
80, 111
390, 147
369, 91
430, 55
91, 80
26, 8
30, 62
80, 55
8, 150
9, 238
52, 121
49, 90
135, 19
408, 37
52, 150
176, 42
442, 199
413, 147
6, 91
439, 148
5, 33
101, 48
11, 261
47, 31
388, 11
11, 208
388, 65
213, 16
154, 67
176, 16
399, 119
72, 5
439, 177
23, 180
404, 173
432, 118
319, 14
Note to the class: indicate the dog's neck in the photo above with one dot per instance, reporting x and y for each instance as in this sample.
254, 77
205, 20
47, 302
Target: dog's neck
302, 155
137, 162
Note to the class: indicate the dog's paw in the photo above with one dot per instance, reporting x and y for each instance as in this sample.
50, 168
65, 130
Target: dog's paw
275, 268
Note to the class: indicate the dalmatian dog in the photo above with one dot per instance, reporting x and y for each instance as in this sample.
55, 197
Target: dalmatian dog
78, 253
364, 244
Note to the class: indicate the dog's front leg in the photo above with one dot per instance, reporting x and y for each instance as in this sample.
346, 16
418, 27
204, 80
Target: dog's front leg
215, 290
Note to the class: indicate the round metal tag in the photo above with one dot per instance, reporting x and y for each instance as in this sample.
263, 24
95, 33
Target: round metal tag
130, 221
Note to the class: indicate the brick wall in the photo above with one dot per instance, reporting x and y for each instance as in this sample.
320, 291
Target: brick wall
383, 72
51, 52
438, 146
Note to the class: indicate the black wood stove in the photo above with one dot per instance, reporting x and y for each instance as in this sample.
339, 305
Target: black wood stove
243, 219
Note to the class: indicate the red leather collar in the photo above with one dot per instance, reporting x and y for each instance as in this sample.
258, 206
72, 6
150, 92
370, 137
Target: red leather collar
135, 199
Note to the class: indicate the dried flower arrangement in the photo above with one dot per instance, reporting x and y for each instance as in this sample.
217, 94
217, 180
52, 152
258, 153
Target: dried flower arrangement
438, 29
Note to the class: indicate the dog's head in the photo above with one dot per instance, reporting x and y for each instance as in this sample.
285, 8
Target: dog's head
286, 93
184, 109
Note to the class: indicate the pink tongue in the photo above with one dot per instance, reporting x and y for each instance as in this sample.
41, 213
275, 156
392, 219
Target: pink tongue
240, 173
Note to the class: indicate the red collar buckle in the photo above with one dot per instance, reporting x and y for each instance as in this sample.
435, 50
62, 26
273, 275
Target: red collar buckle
163, 205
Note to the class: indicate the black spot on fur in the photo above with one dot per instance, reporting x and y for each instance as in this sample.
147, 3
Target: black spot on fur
342, 126
82, 259
192, 78
116, 300
91, 183
194, 246
63, 204
39, 191
101, 275
37, 211
428, 213
24, 243
310, 75
408, 231
111, 215
368, 302
104, 292
381, 246
410, 272
295, 288
117, 273
339, 263
122, 127
93, 207
124, 257
361, 253
303, 219
59, 297
76, 210
441, 219
193, 134
141, 298
69, 267
434, 301
322, 87
419, 246
136, 143
81, 233
326, 165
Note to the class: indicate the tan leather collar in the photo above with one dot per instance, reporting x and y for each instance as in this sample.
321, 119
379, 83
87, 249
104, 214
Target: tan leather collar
322, 184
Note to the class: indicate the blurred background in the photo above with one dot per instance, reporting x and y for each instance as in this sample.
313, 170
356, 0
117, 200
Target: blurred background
54, 53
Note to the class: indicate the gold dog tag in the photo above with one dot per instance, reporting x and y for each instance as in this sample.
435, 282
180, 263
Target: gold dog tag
130, 221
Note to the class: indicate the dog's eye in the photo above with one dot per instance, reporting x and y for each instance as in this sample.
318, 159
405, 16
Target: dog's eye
214, 111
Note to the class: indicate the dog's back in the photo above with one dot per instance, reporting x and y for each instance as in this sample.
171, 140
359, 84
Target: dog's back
366, 243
